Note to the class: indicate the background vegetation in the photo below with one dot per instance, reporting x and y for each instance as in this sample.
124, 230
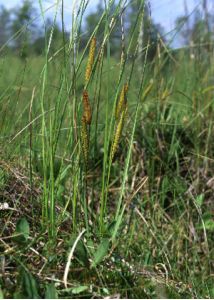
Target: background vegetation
106, 154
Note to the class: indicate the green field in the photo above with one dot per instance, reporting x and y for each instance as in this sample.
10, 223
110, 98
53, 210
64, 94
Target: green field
119, 205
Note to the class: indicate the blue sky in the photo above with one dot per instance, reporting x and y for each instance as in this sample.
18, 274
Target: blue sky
164, 12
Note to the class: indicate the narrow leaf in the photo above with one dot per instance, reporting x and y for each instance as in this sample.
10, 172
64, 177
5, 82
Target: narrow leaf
101, 252
51, 292
30, 286
1, 294
79, 289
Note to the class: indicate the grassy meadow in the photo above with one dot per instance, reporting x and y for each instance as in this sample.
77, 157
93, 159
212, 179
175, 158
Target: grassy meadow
106, 168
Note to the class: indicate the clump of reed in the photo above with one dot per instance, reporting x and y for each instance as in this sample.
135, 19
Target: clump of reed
120, 111
87, 112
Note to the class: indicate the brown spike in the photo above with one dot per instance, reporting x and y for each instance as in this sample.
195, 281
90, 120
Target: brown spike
86, 108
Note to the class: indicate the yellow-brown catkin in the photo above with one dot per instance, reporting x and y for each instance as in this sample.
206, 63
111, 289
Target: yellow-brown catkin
86, 108
85, 140
90, 60
122, 101
118, 133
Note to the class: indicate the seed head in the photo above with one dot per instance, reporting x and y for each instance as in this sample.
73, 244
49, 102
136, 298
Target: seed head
86, 108
122, 101
90, 60
118, 133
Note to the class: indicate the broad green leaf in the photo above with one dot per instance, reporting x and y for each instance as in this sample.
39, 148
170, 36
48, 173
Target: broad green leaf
50, 291
209, 224
110, 228
1, 294
212, 293
106, 291
79, 289
22, 231
101, 252
30, 286
80, 251
200, 199
22, 228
